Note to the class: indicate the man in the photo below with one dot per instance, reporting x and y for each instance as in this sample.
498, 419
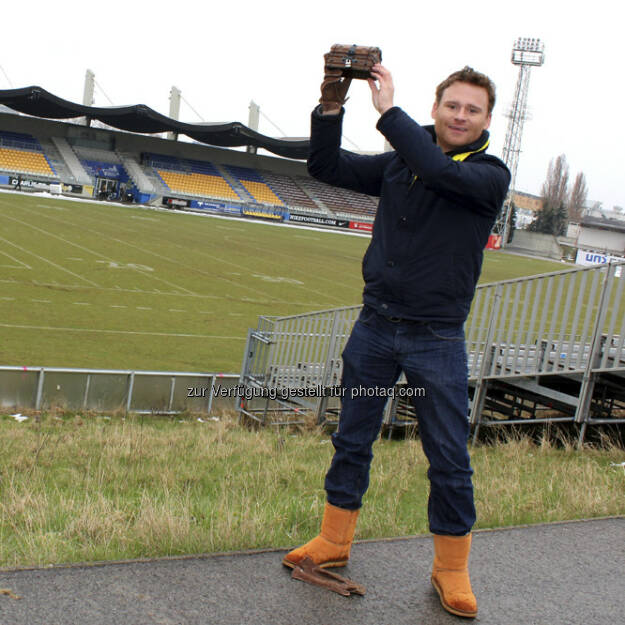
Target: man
439, 197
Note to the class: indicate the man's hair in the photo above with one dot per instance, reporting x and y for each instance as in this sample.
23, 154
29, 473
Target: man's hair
468, 74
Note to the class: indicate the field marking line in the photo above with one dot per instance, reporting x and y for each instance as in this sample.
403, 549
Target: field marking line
163, 294
46, 260
86, 249
96, 331
81, 303
142, 308
8, 299
99, 234
117, 306
174, 261
42, 301
17, 260
264, 253
218, 259
56, 208
197, 270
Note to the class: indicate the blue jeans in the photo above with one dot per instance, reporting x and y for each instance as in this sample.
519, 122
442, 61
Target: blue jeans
433, 357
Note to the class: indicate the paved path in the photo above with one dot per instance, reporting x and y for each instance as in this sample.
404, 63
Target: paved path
564, 573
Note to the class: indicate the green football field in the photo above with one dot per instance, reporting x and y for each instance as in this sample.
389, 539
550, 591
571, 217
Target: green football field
94, 285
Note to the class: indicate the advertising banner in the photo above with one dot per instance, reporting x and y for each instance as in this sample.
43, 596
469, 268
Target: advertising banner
232, 209
494, 242
320, 221
588, 259
174, 202
365, 226
29, 183
261, 215
211, 206
112, 171
72, 188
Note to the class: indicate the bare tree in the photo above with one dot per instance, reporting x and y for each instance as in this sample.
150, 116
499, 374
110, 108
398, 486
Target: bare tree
578, 197
552, 218
555, 187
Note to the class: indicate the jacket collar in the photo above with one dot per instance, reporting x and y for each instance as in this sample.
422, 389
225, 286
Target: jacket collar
463, 151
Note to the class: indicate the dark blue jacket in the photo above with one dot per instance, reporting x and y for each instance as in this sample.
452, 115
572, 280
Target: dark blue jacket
433, 219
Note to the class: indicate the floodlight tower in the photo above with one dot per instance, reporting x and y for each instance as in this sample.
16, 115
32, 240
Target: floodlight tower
174, 109
526, 53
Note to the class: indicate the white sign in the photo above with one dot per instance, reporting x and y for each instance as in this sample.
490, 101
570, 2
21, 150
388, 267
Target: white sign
594, 258
588, 259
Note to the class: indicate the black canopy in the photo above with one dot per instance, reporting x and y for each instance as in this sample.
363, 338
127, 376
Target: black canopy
38, 102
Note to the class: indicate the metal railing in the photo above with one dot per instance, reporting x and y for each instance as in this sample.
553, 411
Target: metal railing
153, 392
568, 323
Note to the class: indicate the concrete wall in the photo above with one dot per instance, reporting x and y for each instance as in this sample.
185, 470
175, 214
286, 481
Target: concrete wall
536, 244
604, 240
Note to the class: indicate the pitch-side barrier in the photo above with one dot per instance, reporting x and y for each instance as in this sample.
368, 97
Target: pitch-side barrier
540, 349
142, 392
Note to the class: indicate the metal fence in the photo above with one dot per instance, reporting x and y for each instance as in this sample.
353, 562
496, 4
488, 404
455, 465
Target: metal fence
153, 392
291, 364
523, 332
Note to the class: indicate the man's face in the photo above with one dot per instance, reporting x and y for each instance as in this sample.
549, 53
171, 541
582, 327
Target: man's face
461, 115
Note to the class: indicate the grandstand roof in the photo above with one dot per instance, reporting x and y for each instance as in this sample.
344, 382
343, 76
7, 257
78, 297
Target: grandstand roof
38, 102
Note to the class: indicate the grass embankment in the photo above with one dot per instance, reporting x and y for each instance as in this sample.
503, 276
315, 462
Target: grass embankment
85, 488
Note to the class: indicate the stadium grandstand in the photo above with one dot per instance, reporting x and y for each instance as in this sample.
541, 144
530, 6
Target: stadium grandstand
47, 143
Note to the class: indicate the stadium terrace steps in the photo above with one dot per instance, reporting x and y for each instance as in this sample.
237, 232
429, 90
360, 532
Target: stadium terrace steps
339, 200
255, 185
97, 154
56, 160
71, 160
191, 177
136, 173
235, 183
292, 194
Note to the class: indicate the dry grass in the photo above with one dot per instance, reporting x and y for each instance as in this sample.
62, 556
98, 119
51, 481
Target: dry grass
84, 488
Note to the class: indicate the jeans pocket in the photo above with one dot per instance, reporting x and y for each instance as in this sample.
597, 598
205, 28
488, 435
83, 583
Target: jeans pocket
446, 331
368, 316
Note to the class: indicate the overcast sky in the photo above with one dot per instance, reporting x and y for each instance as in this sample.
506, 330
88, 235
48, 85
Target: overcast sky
222, 55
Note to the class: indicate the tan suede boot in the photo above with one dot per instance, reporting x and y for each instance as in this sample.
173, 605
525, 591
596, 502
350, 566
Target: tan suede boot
331, 547
450, 574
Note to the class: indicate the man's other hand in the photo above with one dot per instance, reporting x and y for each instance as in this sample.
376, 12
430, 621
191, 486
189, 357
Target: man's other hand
382, 89
333, 91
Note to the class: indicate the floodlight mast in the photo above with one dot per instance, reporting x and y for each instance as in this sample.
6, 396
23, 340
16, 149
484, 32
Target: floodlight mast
526, 53
174, 109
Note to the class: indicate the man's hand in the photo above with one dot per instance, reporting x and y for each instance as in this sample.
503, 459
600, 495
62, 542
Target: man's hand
333, 91
382, 95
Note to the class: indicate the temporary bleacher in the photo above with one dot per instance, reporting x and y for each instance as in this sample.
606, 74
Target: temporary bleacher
191, 177
23, 154
255, 185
